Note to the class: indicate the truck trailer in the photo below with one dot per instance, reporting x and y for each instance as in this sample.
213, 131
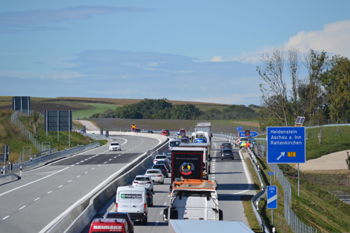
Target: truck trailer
199, 226
193, 200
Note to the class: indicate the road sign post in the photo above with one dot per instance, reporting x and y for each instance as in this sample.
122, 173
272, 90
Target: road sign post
270, 174
286, 145
272, 199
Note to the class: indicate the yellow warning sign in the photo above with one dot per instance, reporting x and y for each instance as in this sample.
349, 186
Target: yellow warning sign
292, 154
133, 126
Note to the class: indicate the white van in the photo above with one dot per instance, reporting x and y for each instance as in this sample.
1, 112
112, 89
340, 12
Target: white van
132, 200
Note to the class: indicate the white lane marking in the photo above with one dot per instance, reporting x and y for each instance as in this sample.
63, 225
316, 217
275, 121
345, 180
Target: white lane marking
36, 198
6, 217
78, 176
72, 165
69, 181
77, 163
99, 165
110, 159
105, 162
86, 172
60, 186
214, 144
93, 168
49, 192
245, 168
19, 187
22, 207
115, 156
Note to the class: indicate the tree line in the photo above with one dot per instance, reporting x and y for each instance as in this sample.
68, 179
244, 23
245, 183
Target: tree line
163, 109
324, 94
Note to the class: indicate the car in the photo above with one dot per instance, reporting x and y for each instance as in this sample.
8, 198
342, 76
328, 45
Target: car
183, 132
169, 155
149, 197
225, 145
185, 140
158, 157
143, 181
122, 215
242, 142
138, 130
102, 225
155, 174
149, 131
115, 146
165, 162
227, 153
162, 168
165, 132
174, 143
132, 200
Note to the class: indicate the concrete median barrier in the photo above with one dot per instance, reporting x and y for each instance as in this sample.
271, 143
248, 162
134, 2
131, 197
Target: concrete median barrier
9, 178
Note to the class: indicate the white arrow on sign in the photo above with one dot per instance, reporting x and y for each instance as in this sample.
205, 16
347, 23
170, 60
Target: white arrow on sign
282, 154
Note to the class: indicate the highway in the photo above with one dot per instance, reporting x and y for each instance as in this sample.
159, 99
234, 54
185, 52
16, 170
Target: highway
234, 181
29, 204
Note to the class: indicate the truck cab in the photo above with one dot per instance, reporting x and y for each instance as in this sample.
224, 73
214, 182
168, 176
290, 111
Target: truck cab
193, 200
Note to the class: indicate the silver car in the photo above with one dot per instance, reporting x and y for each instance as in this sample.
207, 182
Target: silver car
115, 146
156, 175
143, 181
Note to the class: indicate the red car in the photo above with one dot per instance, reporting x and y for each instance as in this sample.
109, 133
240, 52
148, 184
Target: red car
183, 132
165, 132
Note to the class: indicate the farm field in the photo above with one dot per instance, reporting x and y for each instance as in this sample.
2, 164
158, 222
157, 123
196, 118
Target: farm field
92, 109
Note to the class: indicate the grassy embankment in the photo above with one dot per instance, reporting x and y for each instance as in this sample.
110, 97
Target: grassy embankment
12, 136
93, 109
315, 206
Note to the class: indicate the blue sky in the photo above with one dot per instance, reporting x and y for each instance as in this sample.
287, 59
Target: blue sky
180, 50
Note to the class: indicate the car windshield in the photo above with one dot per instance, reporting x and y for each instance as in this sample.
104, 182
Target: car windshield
115, 144
244, 139
174, 144
161, 162
160, 157
115, 215
152, 172
143, 178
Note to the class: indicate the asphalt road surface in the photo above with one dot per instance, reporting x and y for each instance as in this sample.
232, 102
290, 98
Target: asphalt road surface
29, 204
234, 181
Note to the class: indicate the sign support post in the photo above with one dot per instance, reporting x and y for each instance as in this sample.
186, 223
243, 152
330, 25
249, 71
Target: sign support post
298, 182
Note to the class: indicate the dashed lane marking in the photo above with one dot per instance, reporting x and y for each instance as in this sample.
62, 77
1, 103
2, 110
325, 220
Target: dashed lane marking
49, 192
36, 198
22, 207
6, 217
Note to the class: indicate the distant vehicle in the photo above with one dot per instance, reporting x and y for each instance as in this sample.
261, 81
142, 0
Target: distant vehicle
183, 132
205, 127
124, 216
103, 225
174, 142
115, 146
159, 157
162, 168
179, 135
227, 153
143, 181
168, 154
149, 131
138, 130
165, 132
132, 200
165, 162
242, 142
225, 145
149, 197
200, 140
155, 174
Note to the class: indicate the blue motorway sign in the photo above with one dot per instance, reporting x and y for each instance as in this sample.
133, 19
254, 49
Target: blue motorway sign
286, 145
239, 128
242, 134
272, 197
270, 173
253, 134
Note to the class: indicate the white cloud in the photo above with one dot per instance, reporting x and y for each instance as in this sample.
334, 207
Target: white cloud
216, 59
61, 75
334, 38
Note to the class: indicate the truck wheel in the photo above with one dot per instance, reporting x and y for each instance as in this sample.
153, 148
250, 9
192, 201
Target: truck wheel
233, 158
144, 221
222, 158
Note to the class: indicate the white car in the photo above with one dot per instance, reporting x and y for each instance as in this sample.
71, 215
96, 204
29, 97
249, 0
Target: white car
156, 175
160, 157
143, 181
115, 146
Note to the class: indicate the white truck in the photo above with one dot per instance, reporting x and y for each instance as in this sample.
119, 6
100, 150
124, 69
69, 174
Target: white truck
190, 226
193, 200
205, 127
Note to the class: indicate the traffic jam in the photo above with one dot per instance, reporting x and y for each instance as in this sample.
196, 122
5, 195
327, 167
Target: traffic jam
192, 195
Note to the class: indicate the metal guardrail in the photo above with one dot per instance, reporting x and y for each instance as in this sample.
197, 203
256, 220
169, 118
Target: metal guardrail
291, 218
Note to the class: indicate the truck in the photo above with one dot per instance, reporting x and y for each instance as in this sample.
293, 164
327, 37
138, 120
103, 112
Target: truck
190, 226
193, 199
206, 156
187, 163
200, 134
205, 127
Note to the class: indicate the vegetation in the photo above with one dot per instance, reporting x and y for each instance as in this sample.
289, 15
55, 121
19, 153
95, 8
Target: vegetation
324, 95
92, 110
163, 109
12, 136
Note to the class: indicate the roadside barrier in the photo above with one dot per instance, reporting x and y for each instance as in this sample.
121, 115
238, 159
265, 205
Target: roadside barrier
8, 178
